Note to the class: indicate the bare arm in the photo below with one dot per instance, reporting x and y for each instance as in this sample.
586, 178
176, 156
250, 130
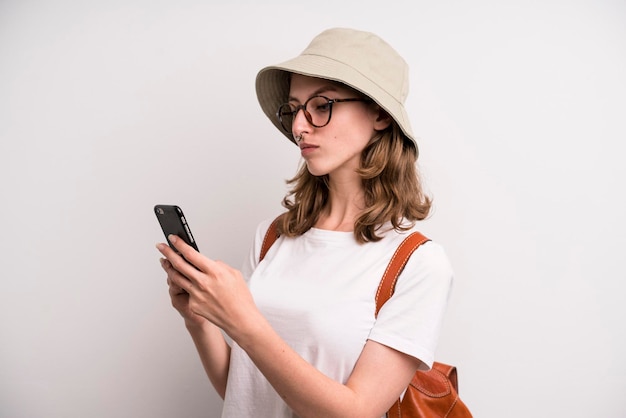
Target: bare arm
214, 354
218, 293
209, 341
379, 377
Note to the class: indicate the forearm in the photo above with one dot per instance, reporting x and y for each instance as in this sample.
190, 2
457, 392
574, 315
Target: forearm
307, 391
214, 353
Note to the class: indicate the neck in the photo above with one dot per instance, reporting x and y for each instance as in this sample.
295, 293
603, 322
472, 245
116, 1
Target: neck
345, 204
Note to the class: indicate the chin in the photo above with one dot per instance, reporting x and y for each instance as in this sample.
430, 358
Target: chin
316, 171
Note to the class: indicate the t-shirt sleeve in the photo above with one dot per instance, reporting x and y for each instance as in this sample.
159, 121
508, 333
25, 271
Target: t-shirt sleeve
411, 319
252, 260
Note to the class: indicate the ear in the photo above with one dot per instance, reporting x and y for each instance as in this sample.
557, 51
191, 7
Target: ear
383, 120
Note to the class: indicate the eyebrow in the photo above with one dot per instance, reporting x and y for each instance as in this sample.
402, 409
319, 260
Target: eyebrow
317, 92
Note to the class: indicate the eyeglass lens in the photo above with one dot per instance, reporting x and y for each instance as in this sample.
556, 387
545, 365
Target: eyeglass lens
317, 111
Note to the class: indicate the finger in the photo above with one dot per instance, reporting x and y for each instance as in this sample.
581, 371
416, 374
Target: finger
179, 285
177, 262
169, 269
190, 254
174, 276
174, 289
167, 266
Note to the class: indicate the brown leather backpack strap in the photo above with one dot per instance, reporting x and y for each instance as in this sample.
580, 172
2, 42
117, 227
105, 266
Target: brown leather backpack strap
388, 283
271, 235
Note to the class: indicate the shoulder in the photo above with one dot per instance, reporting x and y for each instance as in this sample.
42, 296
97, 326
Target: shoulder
432, 258
251, 262
428, 260
263, 226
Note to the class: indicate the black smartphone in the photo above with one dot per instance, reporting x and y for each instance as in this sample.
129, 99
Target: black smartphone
173, 221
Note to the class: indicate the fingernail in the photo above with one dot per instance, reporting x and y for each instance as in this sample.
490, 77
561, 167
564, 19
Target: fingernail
173, 238
160, 246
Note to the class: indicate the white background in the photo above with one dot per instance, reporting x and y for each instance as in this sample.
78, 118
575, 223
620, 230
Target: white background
107, 108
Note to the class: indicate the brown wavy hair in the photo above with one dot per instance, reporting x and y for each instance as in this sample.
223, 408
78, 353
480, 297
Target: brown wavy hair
393, 190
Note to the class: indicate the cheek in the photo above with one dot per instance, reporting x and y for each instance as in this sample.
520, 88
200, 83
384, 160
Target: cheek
357, 131
356, 140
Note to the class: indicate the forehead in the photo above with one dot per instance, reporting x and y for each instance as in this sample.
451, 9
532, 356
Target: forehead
302, 86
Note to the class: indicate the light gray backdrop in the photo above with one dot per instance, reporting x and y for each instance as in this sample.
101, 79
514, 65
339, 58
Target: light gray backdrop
109, 107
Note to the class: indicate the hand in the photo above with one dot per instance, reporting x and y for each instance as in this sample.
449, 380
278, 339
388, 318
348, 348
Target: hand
179, 297
214, 290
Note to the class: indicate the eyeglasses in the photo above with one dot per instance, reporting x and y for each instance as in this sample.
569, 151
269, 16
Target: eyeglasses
317, 111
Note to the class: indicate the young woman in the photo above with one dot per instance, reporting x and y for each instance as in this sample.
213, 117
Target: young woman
304, 339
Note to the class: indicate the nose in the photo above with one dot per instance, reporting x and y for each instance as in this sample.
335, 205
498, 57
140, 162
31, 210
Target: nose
300, 122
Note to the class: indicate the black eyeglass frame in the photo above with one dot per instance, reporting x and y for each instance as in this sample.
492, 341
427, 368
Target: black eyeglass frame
308, 116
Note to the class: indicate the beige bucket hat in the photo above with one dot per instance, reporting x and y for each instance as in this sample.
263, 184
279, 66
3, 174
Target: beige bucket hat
355, 58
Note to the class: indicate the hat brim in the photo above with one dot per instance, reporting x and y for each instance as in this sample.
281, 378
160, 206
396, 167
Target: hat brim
272, 88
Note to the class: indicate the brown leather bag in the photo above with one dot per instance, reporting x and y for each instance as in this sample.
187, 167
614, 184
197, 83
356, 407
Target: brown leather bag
433, 393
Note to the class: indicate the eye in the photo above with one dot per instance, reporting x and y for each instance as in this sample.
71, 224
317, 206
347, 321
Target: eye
323, 107
286, 110
319, 105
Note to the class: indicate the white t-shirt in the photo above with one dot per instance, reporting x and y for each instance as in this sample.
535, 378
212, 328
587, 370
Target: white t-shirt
318, 292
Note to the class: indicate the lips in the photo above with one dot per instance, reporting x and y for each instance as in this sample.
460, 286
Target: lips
306, 148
